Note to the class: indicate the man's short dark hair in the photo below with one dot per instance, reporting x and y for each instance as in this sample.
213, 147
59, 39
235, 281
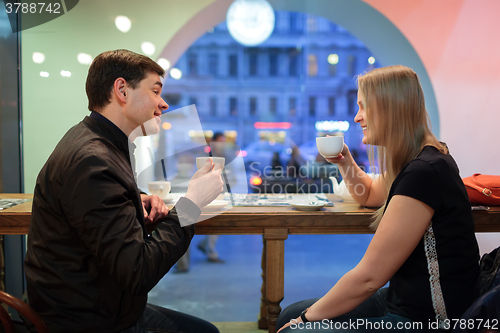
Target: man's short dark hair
110, 65
217, 135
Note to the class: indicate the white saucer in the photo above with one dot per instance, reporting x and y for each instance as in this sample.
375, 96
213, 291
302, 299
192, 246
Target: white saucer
349, 201
307, 206
216, 205
168, 199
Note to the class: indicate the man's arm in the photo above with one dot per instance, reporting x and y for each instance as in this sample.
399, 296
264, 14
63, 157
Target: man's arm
105, 217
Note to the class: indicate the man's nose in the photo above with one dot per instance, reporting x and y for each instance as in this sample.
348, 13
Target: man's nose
163, 105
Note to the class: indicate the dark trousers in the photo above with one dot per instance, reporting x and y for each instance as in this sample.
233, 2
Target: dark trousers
158, 319
369, 316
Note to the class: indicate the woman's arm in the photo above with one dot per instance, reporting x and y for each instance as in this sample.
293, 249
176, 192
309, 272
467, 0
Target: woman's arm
365, 190
400, 230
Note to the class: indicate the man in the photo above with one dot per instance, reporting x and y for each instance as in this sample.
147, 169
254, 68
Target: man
90, 261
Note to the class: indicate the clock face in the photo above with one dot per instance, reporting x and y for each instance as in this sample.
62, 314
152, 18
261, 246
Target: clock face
250, 22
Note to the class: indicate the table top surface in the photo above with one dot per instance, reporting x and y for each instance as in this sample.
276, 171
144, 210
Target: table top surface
341, 218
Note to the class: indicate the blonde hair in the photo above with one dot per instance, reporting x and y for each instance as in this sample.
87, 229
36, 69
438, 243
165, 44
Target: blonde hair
395, 107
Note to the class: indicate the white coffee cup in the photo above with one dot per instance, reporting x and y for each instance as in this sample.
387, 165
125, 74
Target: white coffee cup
200, 161
160, 188
330, 146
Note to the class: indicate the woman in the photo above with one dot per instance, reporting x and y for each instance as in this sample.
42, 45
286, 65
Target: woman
424, 242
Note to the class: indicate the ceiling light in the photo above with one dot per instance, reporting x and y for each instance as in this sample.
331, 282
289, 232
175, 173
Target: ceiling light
148, 48
65, 73
38, 57
123, 23
84, 58
44, 74
164, 63
175, 73
371, 60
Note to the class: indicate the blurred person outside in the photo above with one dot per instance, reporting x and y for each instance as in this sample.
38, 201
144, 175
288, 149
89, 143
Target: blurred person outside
96, 244
424, 243
295, 162
208, 243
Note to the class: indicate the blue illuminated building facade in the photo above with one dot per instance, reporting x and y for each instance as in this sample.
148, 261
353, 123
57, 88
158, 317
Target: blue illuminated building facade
298, 84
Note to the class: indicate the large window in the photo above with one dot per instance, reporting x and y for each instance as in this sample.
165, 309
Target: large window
281, 94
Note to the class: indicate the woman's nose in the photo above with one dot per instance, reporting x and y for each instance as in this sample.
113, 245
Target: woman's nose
358, 117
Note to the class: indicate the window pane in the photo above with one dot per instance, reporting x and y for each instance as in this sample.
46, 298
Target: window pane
213, 106
312, 66
351, 65
352, 102
233, 106
331, 106
312, 106
332, 69
192, 64
295, 25
293, 64
213, 64
292, 104
273, 64
233, 65
273, 101
253, 106
252, 70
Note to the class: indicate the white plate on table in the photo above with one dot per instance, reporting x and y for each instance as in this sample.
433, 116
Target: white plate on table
216, 205
308, 206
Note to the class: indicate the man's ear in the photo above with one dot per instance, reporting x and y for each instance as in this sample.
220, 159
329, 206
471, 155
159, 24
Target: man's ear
120, 90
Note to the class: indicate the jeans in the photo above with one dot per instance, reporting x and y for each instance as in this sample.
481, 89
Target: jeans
369, 316
158, 319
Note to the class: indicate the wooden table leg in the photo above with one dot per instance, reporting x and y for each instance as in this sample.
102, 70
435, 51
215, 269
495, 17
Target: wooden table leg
262, 322
275, 273
2, 273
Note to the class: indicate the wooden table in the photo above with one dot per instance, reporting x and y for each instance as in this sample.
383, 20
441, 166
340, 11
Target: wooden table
275, 224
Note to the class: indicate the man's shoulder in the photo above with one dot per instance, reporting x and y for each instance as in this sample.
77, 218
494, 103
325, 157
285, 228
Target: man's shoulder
80, 144
81, 138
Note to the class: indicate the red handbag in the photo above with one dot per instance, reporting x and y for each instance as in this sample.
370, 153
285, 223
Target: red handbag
483, 189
